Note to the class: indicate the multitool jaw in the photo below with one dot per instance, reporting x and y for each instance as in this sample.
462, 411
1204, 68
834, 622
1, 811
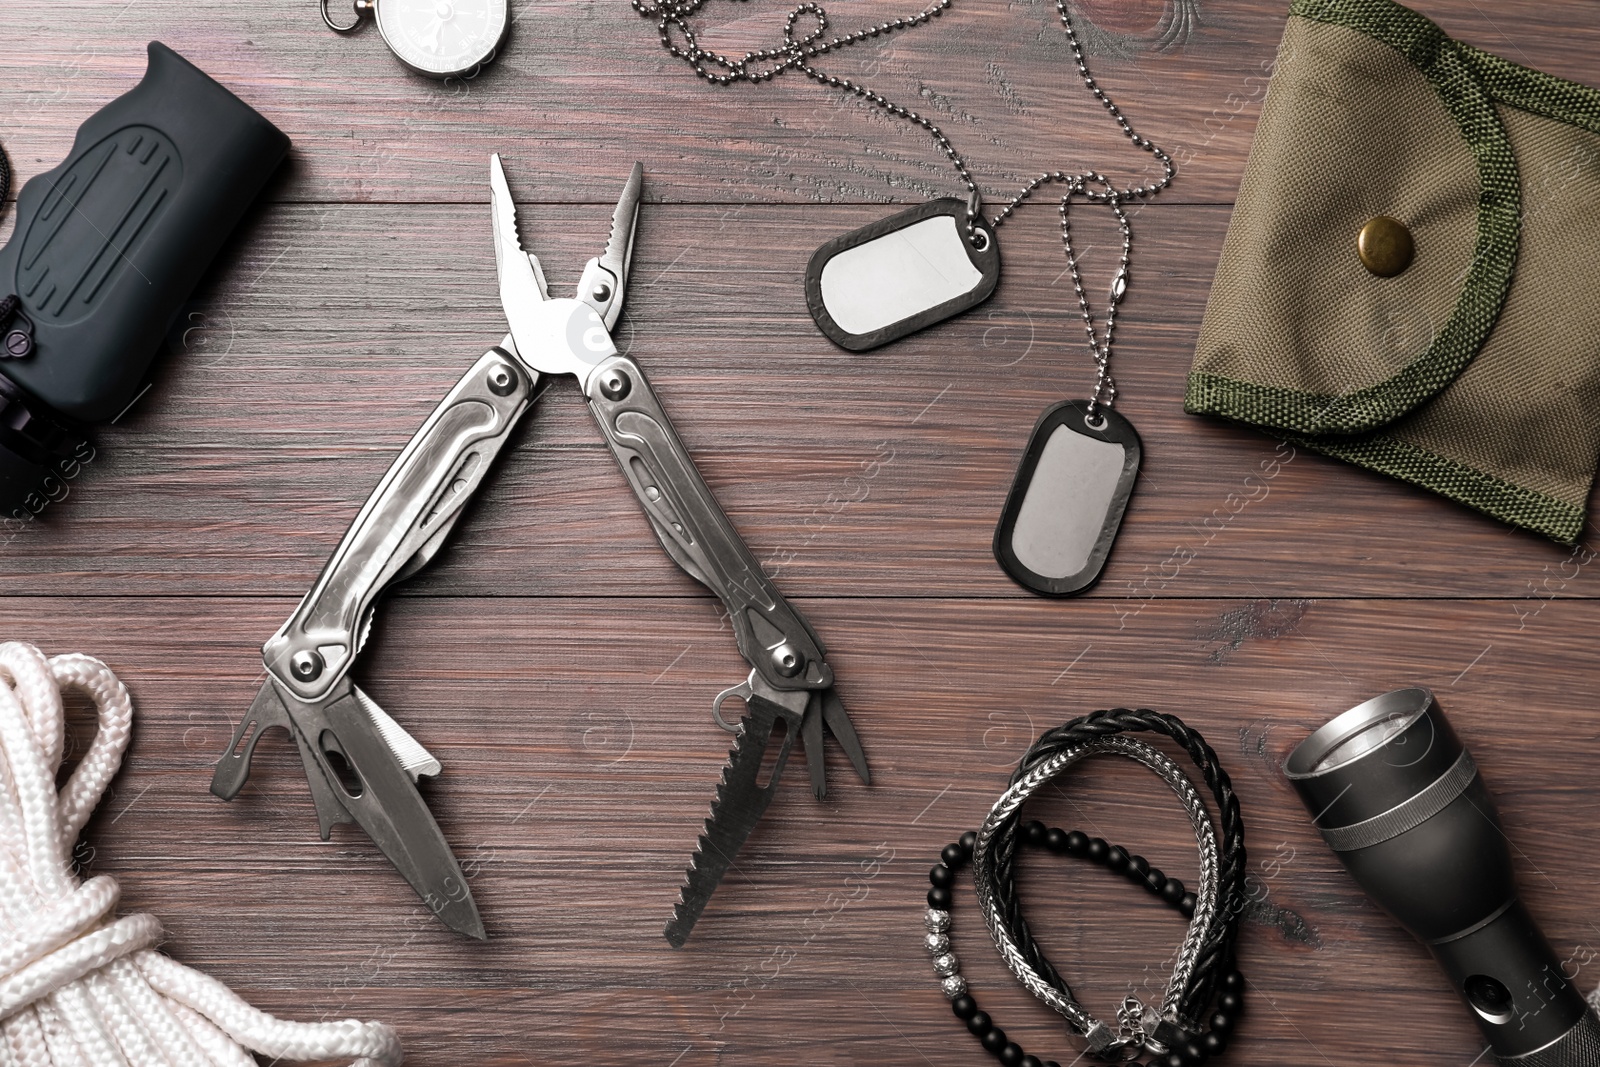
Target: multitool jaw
561, 336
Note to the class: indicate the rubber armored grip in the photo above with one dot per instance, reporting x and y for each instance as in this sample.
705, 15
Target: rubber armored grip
110, 244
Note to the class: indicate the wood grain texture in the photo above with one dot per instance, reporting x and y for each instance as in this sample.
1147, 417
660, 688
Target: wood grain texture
564, 723
563, 669
332, 331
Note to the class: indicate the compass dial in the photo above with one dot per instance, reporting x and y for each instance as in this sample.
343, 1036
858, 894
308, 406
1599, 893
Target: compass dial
443, 38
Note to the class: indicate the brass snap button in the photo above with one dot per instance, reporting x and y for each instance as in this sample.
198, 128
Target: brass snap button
1385, 246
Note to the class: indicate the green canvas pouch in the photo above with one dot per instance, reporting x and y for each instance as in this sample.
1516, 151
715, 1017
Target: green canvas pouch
1475, 370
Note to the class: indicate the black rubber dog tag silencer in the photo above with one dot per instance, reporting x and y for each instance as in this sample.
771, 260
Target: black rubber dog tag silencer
901, 274
1066, 504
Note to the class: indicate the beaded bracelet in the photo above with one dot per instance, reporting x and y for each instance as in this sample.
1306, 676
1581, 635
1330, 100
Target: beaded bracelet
1175, 1033
1075, 843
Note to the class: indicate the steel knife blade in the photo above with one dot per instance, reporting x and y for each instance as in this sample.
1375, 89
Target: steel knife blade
355, 776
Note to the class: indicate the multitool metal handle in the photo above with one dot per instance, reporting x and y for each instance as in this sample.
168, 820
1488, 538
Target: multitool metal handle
772, 635
402, 525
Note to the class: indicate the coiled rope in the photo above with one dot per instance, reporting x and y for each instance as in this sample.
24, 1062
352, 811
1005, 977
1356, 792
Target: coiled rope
80, 987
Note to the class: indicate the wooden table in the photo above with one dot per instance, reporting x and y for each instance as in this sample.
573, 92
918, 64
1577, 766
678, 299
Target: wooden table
563, 669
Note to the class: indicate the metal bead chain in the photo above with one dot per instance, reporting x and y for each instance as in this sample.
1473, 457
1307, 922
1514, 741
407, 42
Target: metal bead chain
795, 54
1105, 387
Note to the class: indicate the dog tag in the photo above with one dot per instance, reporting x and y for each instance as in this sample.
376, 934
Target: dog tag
1066, 505
894, 277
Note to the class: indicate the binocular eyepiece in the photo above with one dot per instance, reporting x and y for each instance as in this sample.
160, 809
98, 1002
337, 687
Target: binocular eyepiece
1398, 797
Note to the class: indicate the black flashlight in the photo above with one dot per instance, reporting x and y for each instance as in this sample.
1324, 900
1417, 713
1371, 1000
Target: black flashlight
1398, 797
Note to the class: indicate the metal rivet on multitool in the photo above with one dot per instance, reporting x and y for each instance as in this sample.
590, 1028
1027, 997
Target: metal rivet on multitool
615, 385
502, 380
305, 665
787, 661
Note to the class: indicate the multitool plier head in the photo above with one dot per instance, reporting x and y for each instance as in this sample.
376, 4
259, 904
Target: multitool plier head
562, 336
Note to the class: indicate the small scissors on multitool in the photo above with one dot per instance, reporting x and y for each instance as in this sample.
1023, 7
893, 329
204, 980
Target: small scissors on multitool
362, 766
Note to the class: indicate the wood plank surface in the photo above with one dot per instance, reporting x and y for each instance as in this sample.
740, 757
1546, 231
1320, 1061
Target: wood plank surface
563, 669
315, 354
564, 723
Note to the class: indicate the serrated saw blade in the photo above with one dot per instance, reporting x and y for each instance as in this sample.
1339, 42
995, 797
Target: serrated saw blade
739, 805
415, 760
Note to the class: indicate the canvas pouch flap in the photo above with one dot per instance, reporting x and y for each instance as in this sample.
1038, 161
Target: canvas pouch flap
1474, 371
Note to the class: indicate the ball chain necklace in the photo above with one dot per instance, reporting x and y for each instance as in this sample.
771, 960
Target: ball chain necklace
935, 260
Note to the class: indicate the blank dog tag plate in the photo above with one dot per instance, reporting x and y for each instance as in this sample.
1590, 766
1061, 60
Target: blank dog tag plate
894, 277
1066, 504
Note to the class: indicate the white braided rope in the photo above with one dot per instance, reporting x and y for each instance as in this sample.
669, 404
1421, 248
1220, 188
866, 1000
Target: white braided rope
80, 987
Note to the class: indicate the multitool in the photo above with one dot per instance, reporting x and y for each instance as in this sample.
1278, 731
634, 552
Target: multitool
362, 766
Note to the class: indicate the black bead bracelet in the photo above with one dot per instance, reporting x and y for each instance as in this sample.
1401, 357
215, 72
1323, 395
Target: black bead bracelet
1195, 1049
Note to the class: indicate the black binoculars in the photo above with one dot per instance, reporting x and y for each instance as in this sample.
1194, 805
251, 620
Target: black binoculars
107, 248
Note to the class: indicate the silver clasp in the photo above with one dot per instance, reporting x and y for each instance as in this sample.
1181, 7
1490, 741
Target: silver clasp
741, 692
363, 8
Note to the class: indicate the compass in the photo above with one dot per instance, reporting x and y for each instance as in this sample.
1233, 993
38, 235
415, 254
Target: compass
436, 38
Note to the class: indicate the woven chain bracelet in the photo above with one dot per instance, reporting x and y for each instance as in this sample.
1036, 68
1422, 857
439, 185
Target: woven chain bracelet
1174, 1031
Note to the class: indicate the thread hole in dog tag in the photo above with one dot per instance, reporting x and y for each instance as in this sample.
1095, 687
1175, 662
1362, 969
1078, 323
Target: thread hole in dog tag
1067, 501
901, 274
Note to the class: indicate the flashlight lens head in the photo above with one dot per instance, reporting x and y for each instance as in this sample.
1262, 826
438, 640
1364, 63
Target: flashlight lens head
1372, 758
1399, 800
1365, 728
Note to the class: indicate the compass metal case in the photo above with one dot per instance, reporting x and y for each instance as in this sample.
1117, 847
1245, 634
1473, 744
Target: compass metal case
443, 38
